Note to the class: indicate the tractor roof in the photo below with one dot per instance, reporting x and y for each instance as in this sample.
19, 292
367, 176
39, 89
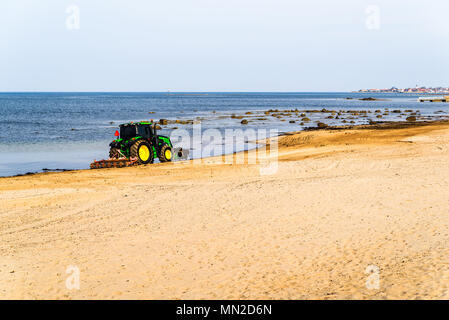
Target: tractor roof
141, 123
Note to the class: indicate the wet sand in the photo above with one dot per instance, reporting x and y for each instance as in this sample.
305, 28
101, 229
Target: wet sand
341, 201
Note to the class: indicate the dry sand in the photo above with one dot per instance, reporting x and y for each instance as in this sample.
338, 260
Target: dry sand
339, 202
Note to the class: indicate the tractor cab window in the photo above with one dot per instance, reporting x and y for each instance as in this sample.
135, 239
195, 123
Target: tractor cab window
143, 131
150, 131
127, 132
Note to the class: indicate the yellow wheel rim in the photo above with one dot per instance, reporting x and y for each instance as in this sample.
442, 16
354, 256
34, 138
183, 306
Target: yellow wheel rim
144, 153
168, 154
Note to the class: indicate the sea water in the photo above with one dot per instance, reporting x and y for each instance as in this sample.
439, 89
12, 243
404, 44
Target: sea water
68, 130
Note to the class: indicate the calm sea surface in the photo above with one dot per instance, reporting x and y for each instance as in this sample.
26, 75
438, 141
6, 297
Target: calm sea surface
69, 130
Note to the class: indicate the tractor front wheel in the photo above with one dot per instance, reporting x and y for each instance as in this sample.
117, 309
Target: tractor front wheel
143, 151
165, 154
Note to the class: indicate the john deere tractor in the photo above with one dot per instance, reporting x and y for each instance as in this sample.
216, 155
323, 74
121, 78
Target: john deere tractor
139, 140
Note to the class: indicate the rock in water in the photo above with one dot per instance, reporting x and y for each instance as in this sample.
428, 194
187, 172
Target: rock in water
322, 125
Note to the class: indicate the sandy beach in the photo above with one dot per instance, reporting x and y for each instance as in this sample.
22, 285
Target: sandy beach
340, 202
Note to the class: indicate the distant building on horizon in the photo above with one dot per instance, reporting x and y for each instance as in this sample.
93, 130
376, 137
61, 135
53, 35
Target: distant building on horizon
417, 89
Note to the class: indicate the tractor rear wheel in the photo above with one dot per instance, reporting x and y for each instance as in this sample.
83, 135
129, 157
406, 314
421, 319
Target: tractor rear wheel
143, 151
165, 154
114, 153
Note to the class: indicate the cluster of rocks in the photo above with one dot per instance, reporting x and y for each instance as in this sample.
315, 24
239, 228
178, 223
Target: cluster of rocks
367, 99
164, 122
344, 116
303, 117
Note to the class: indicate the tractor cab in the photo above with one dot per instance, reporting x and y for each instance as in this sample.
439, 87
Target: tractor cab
142, 129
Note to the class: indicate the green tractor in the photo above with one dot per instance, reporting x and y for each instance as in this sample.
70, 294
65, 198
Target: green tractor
139, 140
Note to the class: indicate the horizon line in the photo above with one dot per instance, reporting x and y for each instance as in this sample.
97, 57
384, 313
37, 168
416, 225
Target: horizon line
174, 92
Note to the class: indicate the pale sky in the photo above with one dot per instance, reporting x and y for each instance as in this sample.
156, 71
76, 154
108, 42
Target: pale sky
222, 45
